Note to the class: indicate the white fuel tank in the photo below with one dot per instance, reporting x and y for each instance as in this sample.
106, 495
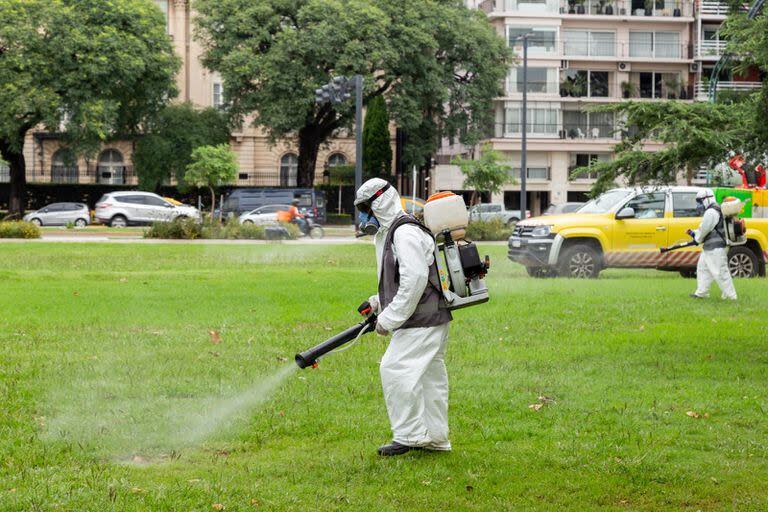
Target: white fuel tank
446, 211
731, 207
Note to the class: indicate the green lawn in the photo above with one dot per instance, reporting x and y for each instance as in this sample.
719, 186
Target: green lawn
111, 385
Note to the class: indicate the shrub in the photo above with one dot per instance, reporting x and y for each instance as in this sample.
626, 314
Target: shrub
488, 230
187, 229
178, 229
19, 229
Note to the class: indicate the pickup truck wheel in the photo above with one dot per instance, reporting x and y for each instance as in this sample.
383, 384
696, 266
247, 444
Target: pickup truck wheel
742, 262
579, 261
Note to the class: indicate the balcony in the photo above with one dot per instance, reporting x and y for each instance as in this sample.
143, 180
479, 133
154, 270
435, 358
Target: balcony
634, 8
574, 131
714, 48
616, 8
715, 9
702, 88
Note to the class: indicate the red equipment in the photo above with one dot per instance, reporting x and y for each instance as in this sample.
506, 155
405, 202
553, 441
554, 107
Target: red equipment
751, 177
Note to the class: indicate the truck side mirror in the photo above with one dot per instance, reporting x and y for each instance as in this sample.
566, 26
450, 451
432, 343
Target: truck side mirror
626, 213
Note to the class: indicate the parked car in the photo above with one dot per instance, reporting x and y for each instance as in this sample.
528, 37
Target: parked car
492, 211
263, 214
243, 200
120, 209
558, 209
61, 214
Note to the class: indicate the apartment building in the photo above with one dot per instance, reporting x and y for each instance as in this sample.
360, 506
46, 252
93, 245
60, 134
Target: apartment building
583, 53
260, 164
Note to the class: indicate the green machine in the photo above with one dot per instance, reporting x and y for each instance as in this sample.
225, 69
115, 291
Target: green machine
744, 194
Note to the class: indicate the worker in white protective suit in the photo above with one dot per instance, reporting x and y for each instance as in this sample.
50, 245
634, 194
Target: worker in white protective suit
411, 306
713, 261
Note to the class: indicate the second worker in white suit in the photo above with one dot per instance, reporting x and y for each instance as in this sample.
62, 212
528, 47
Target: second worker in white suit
411, 306
713, 261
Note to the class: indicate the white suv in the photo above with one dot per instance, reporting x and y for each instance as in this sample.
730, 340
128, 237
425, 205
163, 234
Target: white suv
120, 209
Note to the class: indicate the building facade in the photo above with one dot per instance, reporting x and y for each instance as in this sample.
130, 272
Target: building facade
261, 164
583, 53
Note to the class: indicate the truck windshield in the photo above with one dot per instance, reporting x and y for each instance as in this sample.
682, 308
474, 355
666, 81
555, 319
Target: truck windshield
604, 202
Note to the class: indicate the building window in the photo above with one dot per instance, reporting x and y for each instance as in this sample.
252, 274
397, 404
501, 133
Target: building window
588, 43
336, 160
534, 173
655, 44
5, 172
586, 160
289, 170
651, 84
64, 167
111, 169
540, 80
578, 83
541, 119
588, 125
543, 40
243, 176
218, 95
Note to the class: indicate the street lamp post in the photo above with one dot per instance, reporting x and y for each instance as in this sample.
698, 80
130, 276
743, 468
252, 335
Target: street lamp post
524, 139
336, 92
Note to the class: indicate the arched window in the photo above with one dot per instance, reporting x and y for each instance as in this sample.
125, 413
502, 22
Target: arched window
336, 160
64, 167
289, 170
111, 169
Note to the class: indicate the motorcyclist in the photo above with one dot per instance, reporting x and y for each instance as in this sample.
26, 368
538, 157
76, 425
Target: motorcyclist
713, 261
292, 214
412, 308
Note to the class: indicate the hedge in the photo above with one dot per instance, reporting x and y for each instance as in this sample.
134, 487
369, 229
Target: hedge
19, 229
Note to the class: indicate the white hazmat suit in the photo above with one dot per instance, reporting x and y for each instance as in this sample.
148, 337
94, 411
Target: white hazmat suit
713, 262
413, 373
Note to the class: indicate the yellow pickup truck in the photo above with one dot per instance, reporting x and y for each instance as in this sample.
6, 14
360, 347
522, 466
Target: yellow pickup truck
624, 228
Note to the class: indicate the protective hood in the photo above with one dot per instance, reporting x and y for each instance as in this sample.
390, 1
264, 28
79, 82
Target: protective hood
387, 207
706, 198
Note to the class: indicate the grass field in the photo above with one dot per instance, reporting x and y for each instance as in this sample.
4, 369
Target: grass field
111, 384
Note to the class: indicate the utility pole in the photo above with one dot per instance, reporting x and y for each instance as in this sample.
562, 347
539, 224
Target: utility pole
524, 140
336, 92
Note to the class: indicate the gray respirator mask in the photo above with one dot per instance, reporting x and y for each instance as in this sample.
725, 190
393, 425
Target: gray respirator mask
369, 224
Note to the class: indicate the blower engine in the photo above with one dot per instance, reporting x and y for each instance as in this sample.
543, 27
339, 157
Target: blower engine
461, 270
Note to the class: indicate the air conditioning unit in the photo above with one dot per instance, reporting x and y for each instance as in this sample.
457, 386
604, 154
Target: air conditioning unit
564, 64
694, 67
624, 66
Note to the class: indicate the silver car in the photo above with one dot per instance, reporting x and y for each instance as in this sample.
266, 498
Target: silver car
121, 209
61, 214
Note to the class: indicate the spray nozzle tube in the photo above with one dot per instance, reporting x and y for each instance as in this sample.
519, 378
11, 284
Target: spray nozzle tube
309, 357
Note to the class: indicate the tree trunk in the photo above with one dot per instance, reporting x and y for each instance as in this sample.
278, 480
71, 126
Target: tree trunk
309, 146
213, 203
689, 173
18, 174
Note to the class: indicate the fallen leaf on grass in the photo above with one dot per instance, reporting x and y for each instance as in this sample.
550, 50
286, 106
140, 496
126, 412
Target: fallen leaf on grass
215, 337
281, 359
123, 279
136, 490
217, 506
546, 399
255, 502
536, 407
694, 414
76, 294
641, 328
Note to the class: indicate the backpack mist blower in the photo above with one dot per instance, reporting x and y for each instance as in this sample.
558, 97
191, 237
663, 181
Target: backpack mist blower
460, 268
734, 229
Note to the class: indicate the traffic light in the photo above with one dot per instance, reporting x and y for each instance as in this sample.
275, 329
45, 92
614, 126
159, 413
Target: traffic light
338, 91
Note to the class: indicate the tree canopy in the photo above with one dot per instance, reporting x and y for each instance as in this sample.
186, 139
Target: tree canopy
486, 174
211, 167
377, 142
165, 150
91, 69
439, 63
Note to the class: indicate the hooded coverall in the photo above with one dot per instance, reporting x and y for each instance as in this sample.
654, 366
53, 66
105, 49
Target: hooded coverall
713, 261
413, 373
